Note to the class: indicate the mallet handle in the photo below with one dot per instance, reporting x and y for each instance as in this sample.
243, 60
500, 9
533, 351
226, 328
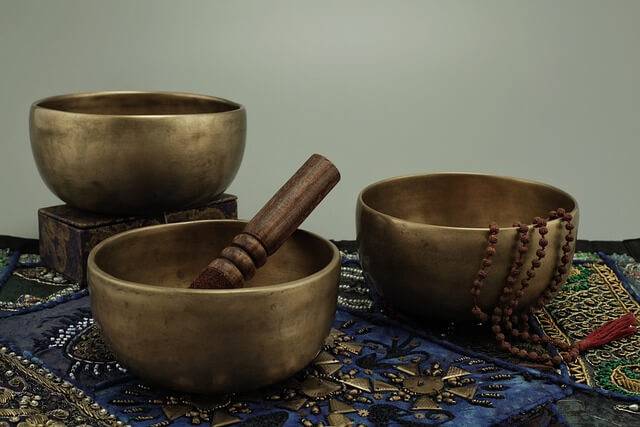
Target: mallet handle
271, 226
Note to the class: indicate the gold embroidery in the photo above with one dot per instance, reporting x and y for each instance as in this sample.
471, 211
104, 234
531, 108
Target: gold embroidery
622, 380
575, 312
32, 384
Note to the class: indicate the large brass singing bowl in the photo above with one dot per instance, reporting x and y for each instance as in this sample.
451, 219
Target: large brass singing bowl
422, 238
211, 341
137, 152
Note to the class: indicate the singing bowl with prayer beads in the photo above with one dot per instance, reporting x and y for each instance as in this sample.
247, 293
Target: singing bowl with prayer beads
137, 152
211, 340
422, 239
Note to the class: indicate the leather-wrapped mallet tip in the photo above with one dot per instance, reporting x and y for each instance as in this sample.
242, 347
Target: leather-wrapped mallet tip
211, 278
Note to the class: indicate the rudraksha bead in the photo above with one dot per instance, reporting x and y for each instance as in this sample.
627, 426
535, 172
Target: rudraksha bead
503, 313
482, 274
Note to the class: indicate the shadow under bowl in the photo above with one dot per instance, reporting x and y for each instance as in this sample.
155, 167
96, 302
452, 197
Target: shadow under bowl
211, 341
422, 239
137, 152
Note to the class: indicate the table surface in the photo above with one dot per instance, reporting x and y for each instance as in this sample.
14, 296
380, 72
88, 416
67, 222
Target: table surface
586, 409
580, 409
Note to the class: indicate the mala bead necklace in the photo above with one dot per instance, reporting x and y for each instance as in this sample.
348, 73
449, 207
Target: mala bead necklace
484, 272
568, 352
504, 318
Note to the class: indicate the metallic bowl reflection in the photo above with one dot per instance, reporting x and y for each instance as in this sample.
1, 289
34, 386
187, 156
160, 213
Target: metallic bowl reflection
211, 341
422, 238
137, 152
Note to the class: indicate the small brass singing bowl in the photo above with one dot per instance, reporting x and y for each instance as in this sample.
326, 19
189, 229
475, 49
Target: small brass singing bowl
137, 152
422, 239
211, 341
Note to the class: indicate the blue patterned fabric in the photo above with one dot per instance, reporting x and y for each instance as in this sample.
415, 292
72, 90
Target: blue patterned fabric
372, 370
627, 269
8, 262
25, 284
63, 336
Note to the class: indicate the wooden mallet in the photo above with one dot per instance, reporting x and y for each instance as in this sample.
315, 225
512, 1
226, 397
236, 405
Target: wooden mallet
271, 226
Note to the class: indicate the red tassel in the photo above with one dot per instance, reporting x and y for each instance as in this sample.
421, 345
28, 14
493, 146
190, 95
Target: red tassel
610, 331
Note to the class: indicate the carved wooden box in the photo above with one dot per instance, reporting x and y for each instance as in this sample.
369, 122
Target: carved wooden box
67, 235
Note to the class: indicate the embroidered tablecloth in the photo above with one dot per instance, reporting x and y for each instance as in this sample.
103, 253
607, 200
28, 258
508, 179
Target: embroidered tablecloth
374, 369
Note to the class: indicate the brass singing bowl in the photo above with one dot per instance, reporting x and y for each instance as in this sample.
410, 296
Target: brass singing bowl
137, 152
211, 341
422, 239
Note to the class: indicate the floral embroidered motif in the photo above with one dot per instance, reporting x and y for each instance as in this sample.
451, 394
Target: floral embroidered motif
31, 395
592, 296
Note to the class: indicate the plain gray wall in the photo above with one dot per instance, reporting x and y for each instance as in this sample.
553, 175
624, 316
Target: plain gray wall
547, 90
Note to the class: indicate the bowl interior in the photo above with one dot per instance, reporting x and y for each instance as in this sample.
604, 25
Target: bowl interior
172, 255
138, 103
464, 200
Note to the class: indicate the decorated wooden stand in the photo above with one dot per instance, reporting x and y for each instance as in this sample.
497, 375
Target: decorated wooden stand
67, 235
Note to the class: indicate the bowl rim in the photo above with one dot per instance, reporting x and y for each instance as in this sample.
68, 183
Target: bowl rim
92, 267
435, 226
36, 105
